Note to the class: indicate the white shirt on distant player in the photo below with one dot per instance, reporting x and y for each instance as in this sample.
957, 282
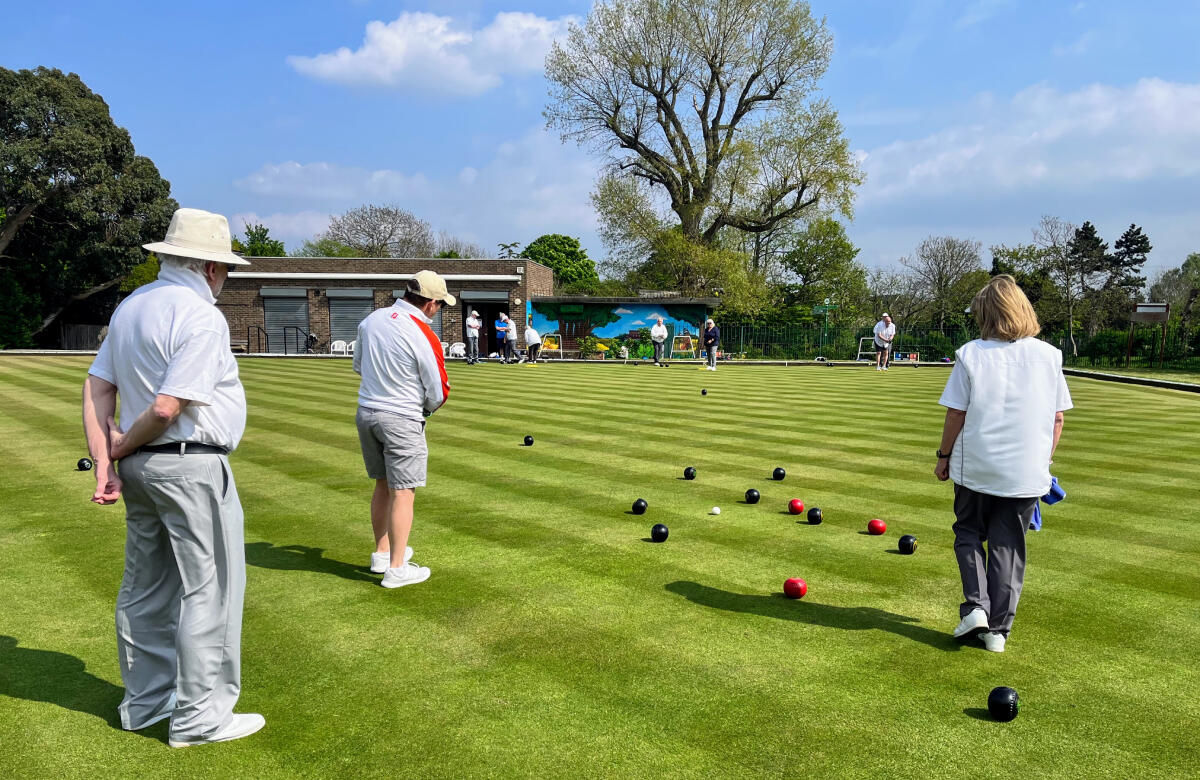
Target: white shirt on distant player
1010, 391
473, 325
884, 333
658, 332
531, 336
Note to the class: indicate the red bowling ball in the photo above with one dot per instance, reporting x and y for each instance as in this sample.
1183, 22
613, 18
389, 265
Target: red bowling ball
795, 588
877, 527
796, 506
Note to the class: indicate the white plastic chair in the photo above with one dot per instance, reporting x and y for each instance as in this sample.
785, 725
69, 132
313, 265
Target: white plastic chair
350, 347
458, 349
445, 348
337, 348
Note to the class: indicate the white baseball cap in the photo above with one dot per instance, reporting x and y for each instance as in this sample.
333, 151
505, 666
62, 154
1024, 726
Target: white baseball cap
429, 285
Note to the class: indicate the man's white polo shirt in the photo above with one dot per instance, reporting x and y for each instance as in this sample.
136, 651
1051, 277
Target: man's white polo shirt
884, 333
168, 338
400, 360
1010, 391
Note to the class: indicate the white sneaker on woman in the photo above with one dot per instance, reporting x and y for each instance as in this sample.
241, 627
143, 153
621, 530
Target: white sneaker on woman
381, 560
408, 574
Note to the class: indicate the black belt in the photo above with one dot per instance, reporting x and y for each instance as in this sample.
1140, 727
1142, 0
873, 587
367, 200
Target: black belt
184, 448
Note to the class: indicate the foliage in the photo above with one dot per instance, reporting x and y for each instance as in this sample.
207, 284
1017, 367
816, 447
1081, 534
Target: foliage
950, 271
692, 269
448, 254
508, 250
260, 244
822, 263
564, 256
78, 202
382, 231
587, 344
710, 102
143, 273
324, 246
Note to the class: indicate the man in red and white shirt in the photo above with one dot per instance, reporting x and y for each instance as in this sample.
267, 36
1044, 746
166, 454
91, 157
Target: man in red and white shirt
403, 382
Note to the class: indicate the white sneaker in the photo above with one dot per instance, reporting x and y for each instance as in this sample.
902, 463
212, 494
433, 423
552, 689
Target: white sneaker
877, 368
993, 641
381, 561
239, 726
975, 622
408, 574
885, 368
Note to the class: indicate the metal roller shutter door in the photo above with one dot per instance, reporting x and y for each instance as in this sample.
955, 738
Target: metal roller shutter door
344, 316
281, 313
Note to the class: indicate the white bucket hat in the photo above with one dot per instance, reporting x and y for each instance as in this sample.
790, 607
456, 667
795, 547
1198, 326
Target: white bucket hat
200, 235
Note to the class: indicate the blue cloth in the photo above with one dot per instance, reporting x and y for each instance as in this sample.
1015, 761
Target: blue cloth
712, 337
1053, 496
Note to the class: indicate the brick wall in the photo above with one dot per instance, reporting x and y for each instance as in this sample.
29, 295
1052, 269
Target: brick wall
242, 303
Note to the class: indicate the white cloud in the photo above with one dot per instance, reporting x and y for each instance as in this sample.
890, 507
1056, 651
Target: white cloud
531, 185
1043, 137
292, 228
1076, 48
327, 181
981, 11
425, 52
637, 322
622, 311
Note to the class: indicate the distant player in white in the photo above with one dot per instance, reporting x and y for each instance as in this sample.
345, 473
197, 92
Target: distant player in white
885, 331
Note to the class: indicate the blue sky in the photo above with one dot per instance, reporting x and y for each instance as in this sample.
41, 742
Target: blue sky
972, 118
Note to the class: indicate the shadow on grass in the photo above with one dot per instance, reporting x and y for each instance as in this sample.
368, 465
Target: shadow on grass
776, 605
59, 679
297, 557
979, 713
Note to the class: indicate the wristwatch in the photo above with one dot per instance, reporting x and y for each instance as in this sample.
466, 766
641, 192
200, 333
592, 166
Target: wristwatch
942, 455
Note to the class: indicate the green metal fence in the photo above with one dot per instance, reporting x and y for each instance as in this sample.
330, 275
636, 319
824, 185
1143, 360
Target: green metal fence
806, 342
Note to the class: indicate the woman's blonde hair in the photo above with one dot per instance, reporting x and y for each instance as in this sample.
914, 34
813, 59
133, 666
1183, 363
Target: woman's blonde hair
1003, 312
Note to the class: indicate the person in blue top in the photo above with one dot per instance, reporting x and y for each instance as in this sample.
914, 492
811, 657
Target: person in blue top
712, 341
502, 325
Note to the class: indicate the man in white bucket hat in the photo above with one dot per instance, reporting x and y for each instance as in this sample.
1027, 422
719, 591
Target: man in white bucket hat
179, 610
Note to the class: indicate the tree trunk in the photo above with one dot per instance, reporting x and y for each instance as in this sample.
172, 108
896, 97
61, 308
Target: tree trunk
13, 223
78, 297
1071, 328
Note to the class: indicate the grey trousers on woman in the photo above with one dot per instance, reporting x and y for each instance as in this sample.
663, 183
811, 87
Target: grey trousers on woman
712, 355
992, 581
472, 349
179, 610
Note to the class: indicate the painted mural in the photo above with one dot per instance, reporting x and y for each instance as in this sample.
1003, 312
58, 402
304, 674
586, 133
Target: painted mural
574, 320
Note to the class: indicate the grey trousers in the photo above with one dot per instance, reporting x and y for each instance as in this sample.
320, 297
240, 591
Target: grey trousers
472, 348
658, 351
992, 582
179, 610
712, 355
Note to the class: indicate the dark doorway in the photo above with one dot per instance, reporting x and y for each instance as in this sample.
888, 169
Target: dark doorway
489, 312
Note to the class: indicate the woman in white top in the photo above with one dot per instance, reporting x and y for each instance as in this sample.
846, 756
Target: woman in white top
1004, 413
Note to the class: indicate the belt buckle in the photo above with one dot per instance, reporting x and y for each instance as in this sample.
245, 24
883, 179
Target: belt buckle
182, 448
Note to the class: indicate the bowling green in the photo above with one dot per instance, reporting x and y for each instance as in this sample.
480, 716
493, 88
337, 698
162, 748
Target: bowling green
553, 640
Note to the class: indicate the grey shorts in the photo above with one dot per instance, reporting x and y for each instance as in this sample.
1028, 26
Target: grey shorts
393, 448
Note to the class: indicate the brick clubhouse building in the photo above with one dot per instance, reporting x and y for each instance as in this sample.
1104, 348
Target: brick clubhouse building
309, 304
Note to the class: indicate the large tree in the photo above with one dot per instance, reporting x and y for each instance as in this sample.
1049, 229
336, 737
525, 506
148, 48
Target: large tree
711, 104
821, 262
564, 256
1071, 272
76, 201
382, 231
950, 271
1088, 256
259, 243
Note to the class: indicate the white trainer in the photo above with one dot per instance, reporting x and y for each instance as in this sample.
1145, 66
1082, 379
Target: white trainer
974, 623
239, 726
408, 574
380, 561
993, 641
